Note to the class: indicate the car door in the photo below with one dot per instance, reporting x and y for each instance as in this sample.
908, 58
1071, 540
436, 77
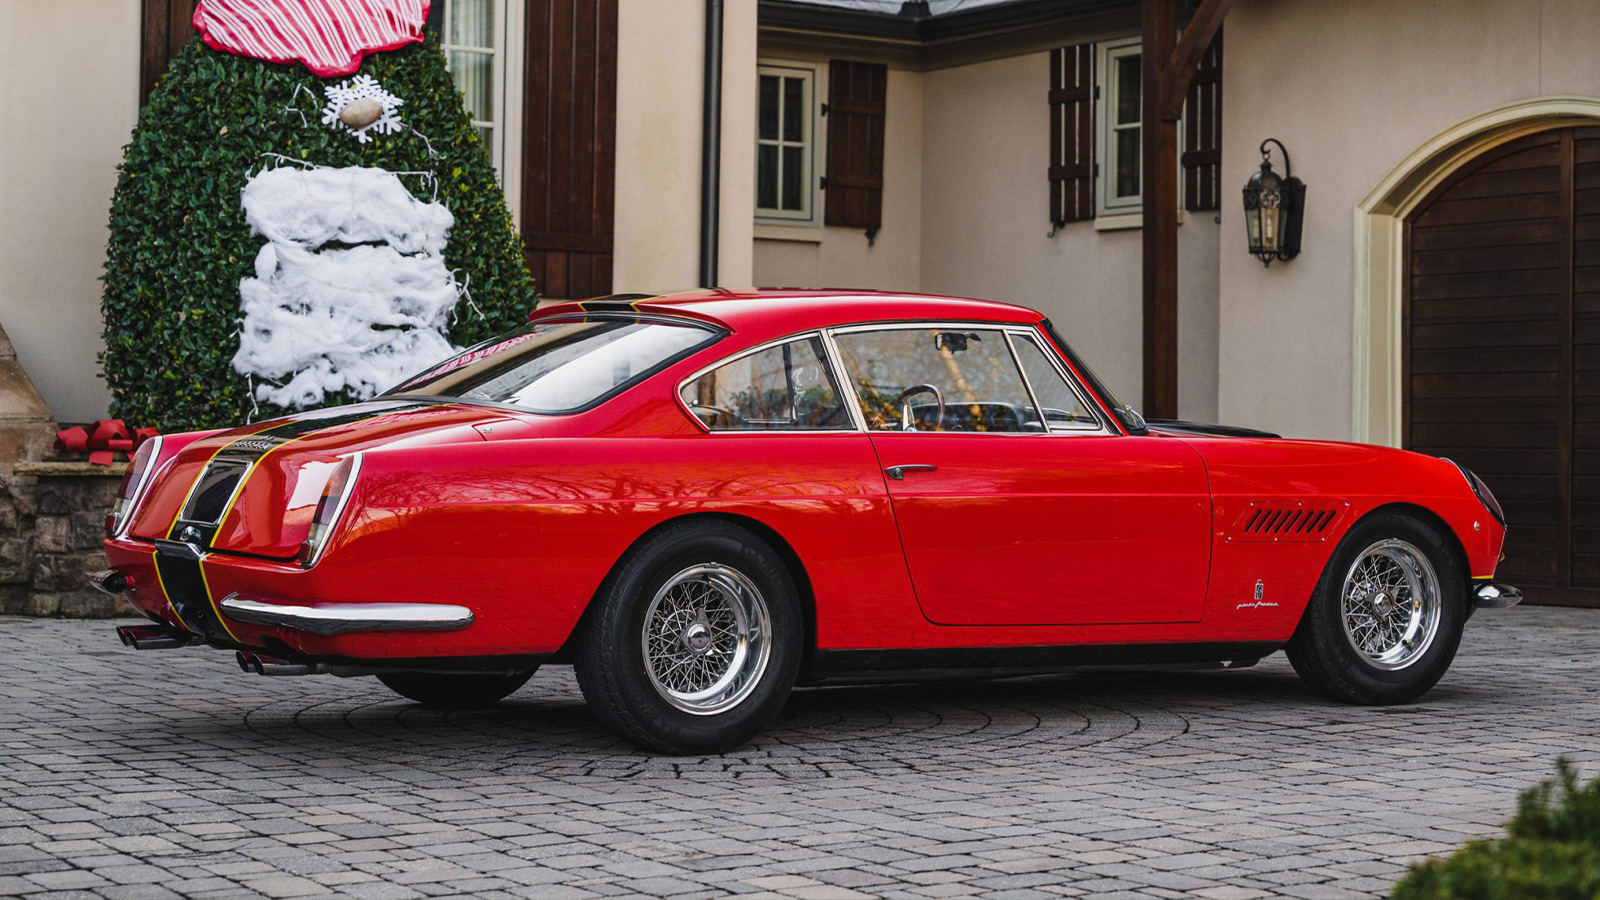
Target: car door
1017, 503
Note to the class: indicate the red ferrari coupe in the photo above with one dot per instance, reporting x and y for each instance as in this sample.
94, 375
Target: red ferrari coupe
701, 500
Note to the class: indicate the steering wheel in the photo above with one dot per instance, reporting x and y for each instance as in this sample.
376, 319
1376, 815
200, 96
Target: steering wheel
906, 422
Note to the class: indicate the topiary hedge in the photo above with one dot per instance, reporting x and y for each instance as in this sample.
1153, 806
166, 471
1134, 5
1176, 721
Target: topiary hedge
179, 243
1552, 852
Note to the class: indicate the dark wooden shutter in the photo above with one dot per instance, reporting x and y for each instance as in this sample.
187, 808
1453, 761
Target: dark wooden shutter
165, 27
856, 93
569, 152
1202, 133
1072, 134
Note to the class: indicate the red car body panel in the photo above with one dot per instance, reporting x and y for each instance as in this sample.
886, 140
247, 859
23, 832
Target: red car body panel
1015, 531
1018, 540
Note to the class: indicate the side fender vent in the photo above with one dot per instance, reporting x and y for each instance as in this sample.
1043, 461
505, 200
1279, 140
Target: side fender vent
1286, 521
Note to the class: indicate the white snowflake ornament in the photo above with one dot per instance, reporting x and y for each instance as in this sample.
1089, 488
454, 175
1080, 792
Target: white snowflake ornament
361, 106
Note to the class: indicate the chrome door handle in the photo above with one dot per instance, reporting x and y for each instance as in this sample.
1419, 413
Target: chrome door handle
898, 473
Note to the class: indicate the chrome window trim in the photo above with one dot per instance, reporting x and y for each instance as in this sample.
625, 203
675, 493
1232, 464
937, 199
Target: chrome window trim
1006, 329
830, 357
141, 490
1078, 390
846, 386
1027, 383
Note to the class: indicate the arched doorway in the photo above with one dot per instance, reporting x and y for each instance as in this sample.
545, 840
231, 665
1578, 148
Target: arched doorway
1500, 355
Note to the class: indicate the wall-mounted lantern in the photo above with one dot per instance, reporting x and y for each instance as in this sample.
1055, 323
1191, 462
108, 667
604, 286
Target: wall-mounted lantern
1274, 209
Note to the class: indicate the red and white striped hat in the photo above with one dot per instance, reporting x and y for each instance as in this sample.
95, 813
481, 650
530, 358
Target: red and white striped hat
329, 36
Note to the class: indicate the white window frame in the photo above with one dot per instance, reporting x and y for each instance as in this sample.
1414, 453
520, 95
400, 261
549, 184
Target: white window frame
812, 126
1106, 176
505, 142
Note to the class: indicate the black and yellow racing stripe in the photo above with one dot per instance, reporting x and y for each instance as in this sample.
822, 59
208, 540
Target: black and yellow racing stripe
182, 577
615, 302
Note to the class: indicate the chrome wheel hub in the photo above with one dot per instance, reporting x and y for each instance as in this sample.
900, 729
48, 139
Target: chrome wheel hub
1391, 604
707, 638
697, 638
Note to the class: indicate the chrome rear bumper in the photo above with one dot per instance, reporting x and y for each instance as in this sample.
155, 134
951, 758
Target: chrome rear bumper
343, 618
1495, 596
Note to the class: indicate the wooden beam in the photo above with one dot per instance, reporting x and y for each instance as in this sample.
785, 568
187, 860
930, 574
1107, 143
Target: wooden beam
1160, 190
1185, 57
1168, 66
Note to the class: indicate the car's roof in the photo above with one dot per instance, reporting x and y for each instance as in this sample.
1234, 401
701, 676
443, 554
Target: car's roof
784, 310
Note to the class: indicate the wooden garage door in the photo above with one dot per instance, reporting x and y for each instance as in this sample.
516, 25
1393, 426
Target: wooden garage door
1502, 348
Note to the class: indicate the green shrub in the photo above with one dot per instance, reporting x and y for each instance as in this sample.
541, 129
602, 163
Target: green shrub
1552, 851
179, 243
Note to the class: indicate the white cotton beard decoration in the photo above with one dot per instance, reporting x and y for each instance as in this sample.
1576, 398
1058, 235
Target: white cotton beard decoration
350, 291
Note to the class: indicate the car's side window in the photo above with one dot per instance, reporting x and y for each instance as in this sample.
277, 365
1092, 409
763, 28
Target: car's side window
1064, 410
786, 387
956, 378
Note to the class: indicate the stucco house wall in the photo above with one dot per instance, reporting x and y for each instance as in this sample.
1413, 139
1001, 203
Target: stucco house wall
966, 211
1368, 82
841, 257
660, 77
63, 122
986, 232
1352, 88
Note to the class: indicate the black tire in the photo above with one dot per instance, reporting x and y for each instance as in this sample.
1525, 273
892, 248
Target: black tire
610, 659
1327, 659
449, 691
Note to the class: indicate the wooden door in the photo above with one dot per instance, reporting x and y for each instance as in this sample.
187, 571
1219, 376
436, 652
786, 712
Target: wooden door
164, 29
1502, 350
569, 145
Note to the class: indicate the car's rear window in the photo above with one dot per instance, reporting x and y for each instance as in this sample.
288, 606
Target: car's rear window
561, 365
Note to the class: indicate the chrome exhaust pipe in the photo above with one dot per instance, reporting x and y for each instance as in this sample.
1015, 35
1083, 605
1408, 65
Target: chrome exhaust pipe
109, 581
271, 665
151, 637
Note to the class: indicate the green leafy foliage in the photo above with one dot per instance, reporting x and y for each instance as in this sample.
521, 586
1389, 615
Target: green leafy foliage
179, 243
1552, 851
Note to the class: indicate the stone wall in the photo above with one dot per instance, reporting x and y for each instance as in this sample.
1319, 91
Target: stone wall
52, 517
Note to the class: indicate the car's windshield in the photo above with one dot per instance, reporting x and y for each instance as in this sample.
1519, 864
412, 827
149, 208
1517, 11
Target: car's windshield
562, 365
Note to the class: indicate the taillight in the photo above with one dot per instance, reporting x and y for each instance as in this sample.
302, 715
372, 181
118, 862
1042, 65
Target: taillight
329, 508
133, 485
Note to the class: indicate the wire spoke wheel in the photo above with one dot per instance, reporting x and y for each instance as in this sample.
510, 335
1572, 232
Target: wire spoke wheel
707, 638
1391, 604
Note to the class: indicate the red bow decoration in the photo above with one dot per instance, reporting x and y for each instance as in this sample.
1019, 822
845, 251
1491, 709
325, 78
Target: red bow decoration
328, 36
108, 438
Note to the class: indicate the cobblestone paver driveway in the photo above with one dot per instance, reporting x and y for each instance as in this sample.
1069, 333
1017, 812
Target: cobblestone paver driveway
161, 774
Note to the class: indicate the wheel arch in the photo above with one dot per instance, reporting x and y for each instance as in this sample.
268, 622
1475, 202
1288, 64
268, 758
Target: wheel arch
1427, 517
779, 544
1415, 511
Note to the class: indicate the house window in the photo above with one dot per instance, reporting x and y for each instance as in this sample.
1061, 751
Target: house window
785, 142
1121, 116
475, 36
